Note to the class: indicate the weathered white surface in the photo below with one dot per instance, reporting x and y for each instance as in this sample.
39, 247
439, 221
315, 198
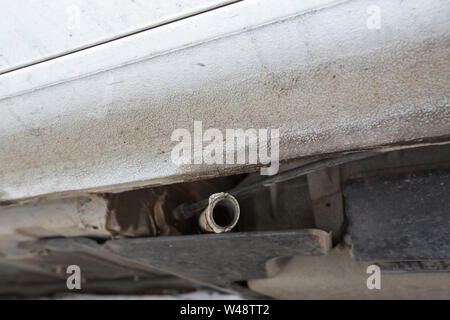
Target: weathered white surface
337, 276
35, 30
326, 80
153, 43
83, 216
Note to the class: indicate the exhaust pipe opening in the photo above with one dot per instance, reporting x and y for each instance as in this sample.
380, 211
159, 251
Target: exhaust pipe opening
221, 214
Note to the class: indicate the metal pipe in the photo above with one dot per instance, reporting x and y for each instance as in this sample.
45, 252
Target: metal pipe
221, 213
187, 211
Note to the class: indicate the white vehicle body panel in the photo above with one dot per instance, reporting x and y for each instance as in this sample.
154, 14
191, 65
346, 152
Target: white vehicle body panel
312, 69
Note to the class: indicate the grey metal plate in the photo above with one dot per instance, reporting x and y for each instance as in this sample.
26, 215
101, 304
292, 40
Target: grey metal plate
405, 217
222, 258
218, 260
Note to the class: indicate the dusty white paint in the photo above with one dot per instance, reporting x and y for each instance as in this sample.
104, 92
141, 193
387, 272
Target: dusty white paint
157, 42
36, 30
82, 216
322, 77
337, 276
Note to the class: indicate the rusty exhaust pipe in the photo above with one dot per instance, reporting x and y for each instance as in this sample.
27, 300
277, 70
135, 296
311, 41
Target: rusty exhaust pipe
221, 214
